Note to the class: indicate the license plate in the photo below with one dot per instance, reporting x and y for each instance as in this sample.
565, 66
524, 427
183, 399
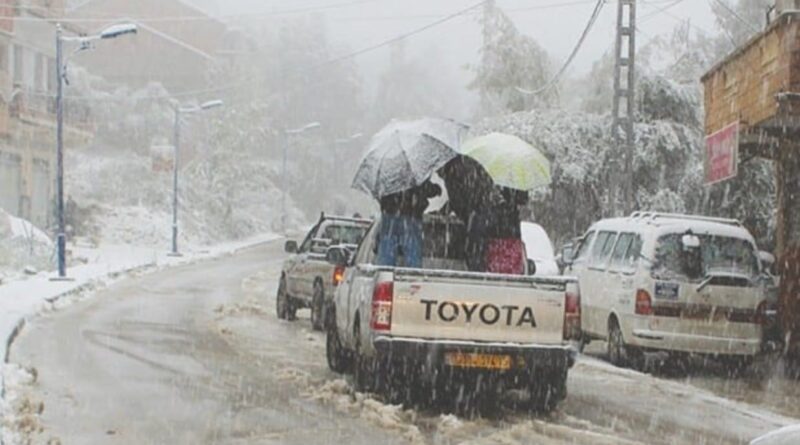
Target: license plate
480, 361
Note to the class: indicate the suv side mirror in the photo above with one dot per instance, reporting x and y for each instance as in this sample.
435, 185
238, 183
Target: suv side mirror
338, 256
290, 246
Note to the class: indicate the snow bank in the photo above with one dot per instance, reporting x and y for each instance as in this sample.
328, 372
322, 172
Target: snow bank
22, 246
789, 435
340, 395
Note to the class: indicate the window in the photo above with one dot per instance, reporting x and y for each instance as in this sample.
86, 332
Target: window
602, 248
307, 241
626, 252
19, 64
366, 251
715, 254
52, 76
3, 57
583, 247
39, 75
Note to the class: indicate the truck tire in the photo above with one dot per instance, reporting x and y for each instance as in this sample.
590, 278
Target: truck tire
339, 360
318, 307
284, 306
364, 368
547, 390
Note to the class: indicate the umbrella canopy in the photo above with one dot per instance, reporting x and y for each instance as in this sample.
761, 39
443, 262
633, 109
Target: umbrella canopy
404, 155
509, 161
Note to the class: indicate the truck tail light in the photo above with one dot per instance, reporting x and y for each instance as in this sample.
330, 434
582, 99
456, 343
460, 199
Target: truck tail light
338, 275
382, 299
572, 315
644, 304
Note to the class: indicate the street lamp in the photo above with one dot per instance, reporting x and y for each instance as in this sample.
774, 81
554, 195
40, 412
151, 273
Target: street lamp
179, 110
84, 43
288, 133
342, 141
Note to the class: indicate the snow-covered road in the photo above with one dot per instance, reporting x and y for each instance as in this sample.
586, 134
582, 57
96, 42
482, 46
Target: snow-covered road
196, 355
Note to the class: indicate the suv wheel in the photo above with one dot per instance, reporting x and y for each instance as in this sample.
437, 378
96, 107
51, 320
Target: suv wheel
616, 344
620, 354
317, 307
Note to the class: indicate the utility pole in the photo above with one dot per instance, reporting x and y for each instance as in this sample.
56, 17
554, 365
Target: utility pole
621, 185
175, 159
61, 237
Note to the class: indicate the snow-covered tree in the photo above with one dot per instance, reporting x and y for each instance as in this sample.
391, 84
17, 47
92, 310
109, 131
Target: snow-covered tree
511, 64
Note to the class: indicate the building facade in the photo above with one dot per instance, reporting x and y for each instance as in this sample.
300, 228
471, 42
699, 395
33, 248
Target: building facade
27, 108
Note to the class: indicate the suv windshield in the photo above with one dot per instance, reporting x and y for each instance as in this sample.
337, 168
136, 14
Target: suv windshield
715, 254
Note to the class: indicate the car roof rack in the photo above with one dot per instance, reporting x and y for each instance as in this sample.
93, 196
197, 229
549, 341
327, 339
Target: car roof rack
654, 216
344, 218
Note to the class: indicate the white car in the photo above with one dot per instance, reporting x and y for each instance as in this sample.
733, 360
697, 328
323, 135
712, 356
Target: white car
539, 249
676, 283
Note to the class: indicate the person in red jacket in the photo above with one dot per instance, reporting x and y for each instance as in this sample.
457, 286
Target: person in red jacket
505, 251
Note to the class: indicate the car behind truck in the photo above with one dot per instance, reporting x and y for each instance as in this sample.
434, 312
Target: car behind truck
447, 332
307, 279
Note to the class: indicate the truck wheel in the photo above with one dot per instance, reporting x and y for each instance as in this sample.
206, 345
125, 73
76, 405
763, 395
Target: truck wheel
284, 306
363, 367
549, 389
317, 307
338, 358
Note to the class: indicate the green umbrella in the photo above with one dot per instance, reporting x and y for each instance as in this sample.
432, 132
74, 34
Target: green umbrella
510, 161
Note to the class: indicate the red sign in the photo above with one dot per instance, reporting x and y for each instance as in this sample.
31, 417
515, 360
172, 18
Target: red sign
722, 154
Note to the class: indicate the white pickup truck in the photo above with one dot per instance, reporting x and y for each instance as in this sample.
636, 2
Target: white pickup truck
449, 333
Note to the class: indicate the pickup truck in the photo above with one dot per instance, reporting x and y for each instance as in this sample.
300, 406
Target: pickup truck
441, 329
307, 279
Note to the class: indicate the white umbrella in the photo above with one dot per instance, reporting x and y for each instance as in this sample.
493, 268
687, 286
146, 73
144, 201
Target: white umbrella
404, 155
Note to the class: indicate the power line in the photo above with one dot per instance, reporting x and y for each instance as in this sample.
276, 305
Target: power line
433, 16
736, 14
664, 9
568, 62
191, 18
332, 61
400, 37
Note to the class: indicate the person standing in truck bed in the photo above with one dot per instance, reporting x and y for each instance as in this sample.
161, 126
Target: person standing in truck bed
401, 225
505, 251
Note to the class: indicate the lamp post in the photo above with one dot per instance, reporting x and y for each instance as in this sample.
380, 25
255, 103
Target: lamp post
179, 111
342, 141
288, 134
84, 43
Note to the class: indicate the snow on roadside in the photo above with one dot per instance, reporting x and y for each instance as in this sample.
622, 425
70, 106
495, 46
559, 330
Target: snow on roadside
646, 399
789, 435
20, 300
339, 394
22, 247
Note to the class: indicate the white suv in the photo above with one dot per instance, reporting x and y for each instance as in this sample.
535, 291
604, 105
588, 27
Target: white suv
677, 283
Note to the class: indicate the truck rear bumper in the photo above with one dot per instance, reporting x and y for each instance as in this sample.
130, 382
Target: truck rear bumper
434, 352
